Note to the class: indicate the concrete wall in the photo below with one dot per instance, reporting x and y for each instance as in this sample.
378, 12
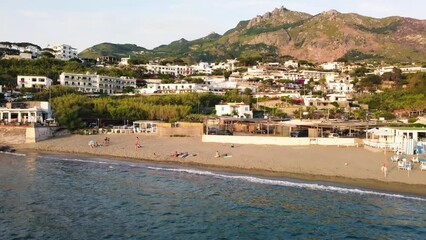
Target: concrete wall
283, 141
187, 129
39, 134
12, 135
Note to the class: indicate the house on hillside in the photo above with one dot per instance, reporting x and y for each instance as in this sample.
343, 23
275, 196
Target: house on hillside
240, 110
33, 81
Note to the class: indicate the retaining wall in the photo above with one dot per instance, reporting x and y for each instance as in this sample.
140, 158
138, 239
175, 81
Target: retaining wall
283, 141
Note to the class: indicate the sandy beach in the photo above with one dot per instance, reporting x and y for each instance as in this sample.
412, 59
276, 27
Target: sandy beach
349, 165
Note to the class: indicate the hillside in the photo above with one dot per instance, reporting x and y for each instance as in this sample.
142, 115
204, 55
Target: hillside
111, 49
317, 38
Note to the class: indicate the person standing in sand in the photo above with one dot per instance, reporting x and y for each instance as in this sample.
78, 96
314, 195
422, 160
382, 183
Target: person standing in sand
384, 169
137, 144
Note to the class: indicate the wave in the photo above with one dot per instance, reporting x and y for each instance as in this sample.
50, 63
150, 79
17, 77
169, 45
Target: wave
14, 154
258, 180
310, 186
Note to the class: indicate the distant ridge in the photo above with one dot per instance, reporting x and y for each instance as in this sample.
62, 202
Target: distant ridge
318, 38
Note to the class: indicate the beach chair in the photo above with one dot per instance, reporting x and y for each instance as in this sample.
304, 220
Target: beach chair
415, 159
423, 166
408, 166
401, 165
395, 158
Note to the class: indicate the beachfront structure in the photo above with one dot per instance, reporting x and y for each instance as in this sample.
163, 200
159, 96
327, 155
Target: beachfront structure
240, 110
94, 83
170, 88
174, 70
63, 51
33, 81
145, 126
404, 139
25, 112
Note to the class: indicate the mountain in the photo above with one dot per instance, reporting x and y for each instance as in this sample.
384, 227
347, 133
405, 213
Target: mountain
318, 38
112, 49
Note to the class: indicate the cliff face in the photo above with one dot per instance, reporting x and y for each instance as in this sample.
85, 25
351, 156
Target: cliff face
322, 37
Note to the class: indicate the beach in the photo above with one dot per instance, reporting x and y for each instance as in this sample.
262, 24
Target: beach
355, 166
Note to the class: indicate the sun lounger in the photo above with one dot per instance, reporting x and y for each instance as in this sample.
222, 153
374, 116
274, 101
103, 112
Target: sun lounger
395, 158
415, 159
401, 165
408, 166
423, 166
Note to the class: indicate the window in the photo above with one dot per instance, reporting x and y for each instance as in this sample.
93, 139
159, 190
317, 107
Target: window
41, 79
34, 79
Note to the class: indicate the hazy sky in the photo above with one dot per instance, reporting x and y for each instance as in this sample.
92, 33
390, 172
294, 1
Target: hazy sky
84, 23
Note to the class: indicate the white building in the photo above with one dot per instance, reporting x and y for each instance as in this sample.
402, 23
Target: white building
93, 83
22, 48
170, 88
174, 70
291, 75
240, 110
291, 63
333, 65
317, 75
25, 112
340, 87
407, 140
63, 51
33, 81
203, 68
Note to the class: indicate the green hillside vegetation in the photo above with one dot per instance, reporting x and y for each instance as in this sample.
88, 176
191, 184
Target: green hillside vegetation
413, 97
111, 49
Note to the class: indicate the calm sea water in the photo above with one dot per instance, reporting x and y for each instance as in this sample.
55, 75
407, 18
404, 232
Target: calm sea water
67, 197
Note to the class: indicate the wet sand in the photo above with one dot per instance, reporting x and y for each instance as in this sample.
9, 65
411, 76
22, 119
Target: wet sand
349, 165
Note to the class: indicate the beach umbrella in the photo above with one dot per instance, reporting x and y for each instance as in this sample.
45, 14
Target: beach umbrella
91, 142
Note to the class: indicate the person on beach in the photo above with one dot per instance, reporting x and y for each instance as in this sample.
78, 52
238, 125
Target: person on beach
384, 169
137, 144
217, 154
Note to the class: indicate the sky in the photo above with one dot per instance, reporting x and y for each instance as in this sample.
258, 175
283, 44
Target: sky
149, 24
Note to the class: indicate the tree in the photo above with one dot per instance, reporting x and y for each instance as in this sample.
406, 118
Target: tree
227, 74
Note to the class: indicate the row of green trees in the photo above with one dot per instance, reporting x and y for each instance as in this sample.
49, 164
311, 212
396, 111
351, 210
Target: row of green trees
71, 109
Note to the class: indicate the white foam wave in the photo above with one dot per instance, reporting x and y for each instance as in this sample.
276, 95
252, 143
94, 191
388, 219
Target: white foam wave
14, 154
310, 186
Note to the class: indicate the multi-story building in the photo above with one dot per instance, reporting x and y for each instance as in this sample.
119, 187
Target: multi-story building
93, 83
174, 70
33, 81
170, 88
317, 75
63, 51
333, 65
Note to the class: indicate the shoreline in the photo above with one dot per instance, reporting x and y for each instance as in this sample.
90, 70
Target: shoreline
248, 161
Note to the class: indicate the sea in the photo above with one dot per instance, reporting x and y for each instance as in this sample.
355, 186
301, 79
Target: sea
60, 196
